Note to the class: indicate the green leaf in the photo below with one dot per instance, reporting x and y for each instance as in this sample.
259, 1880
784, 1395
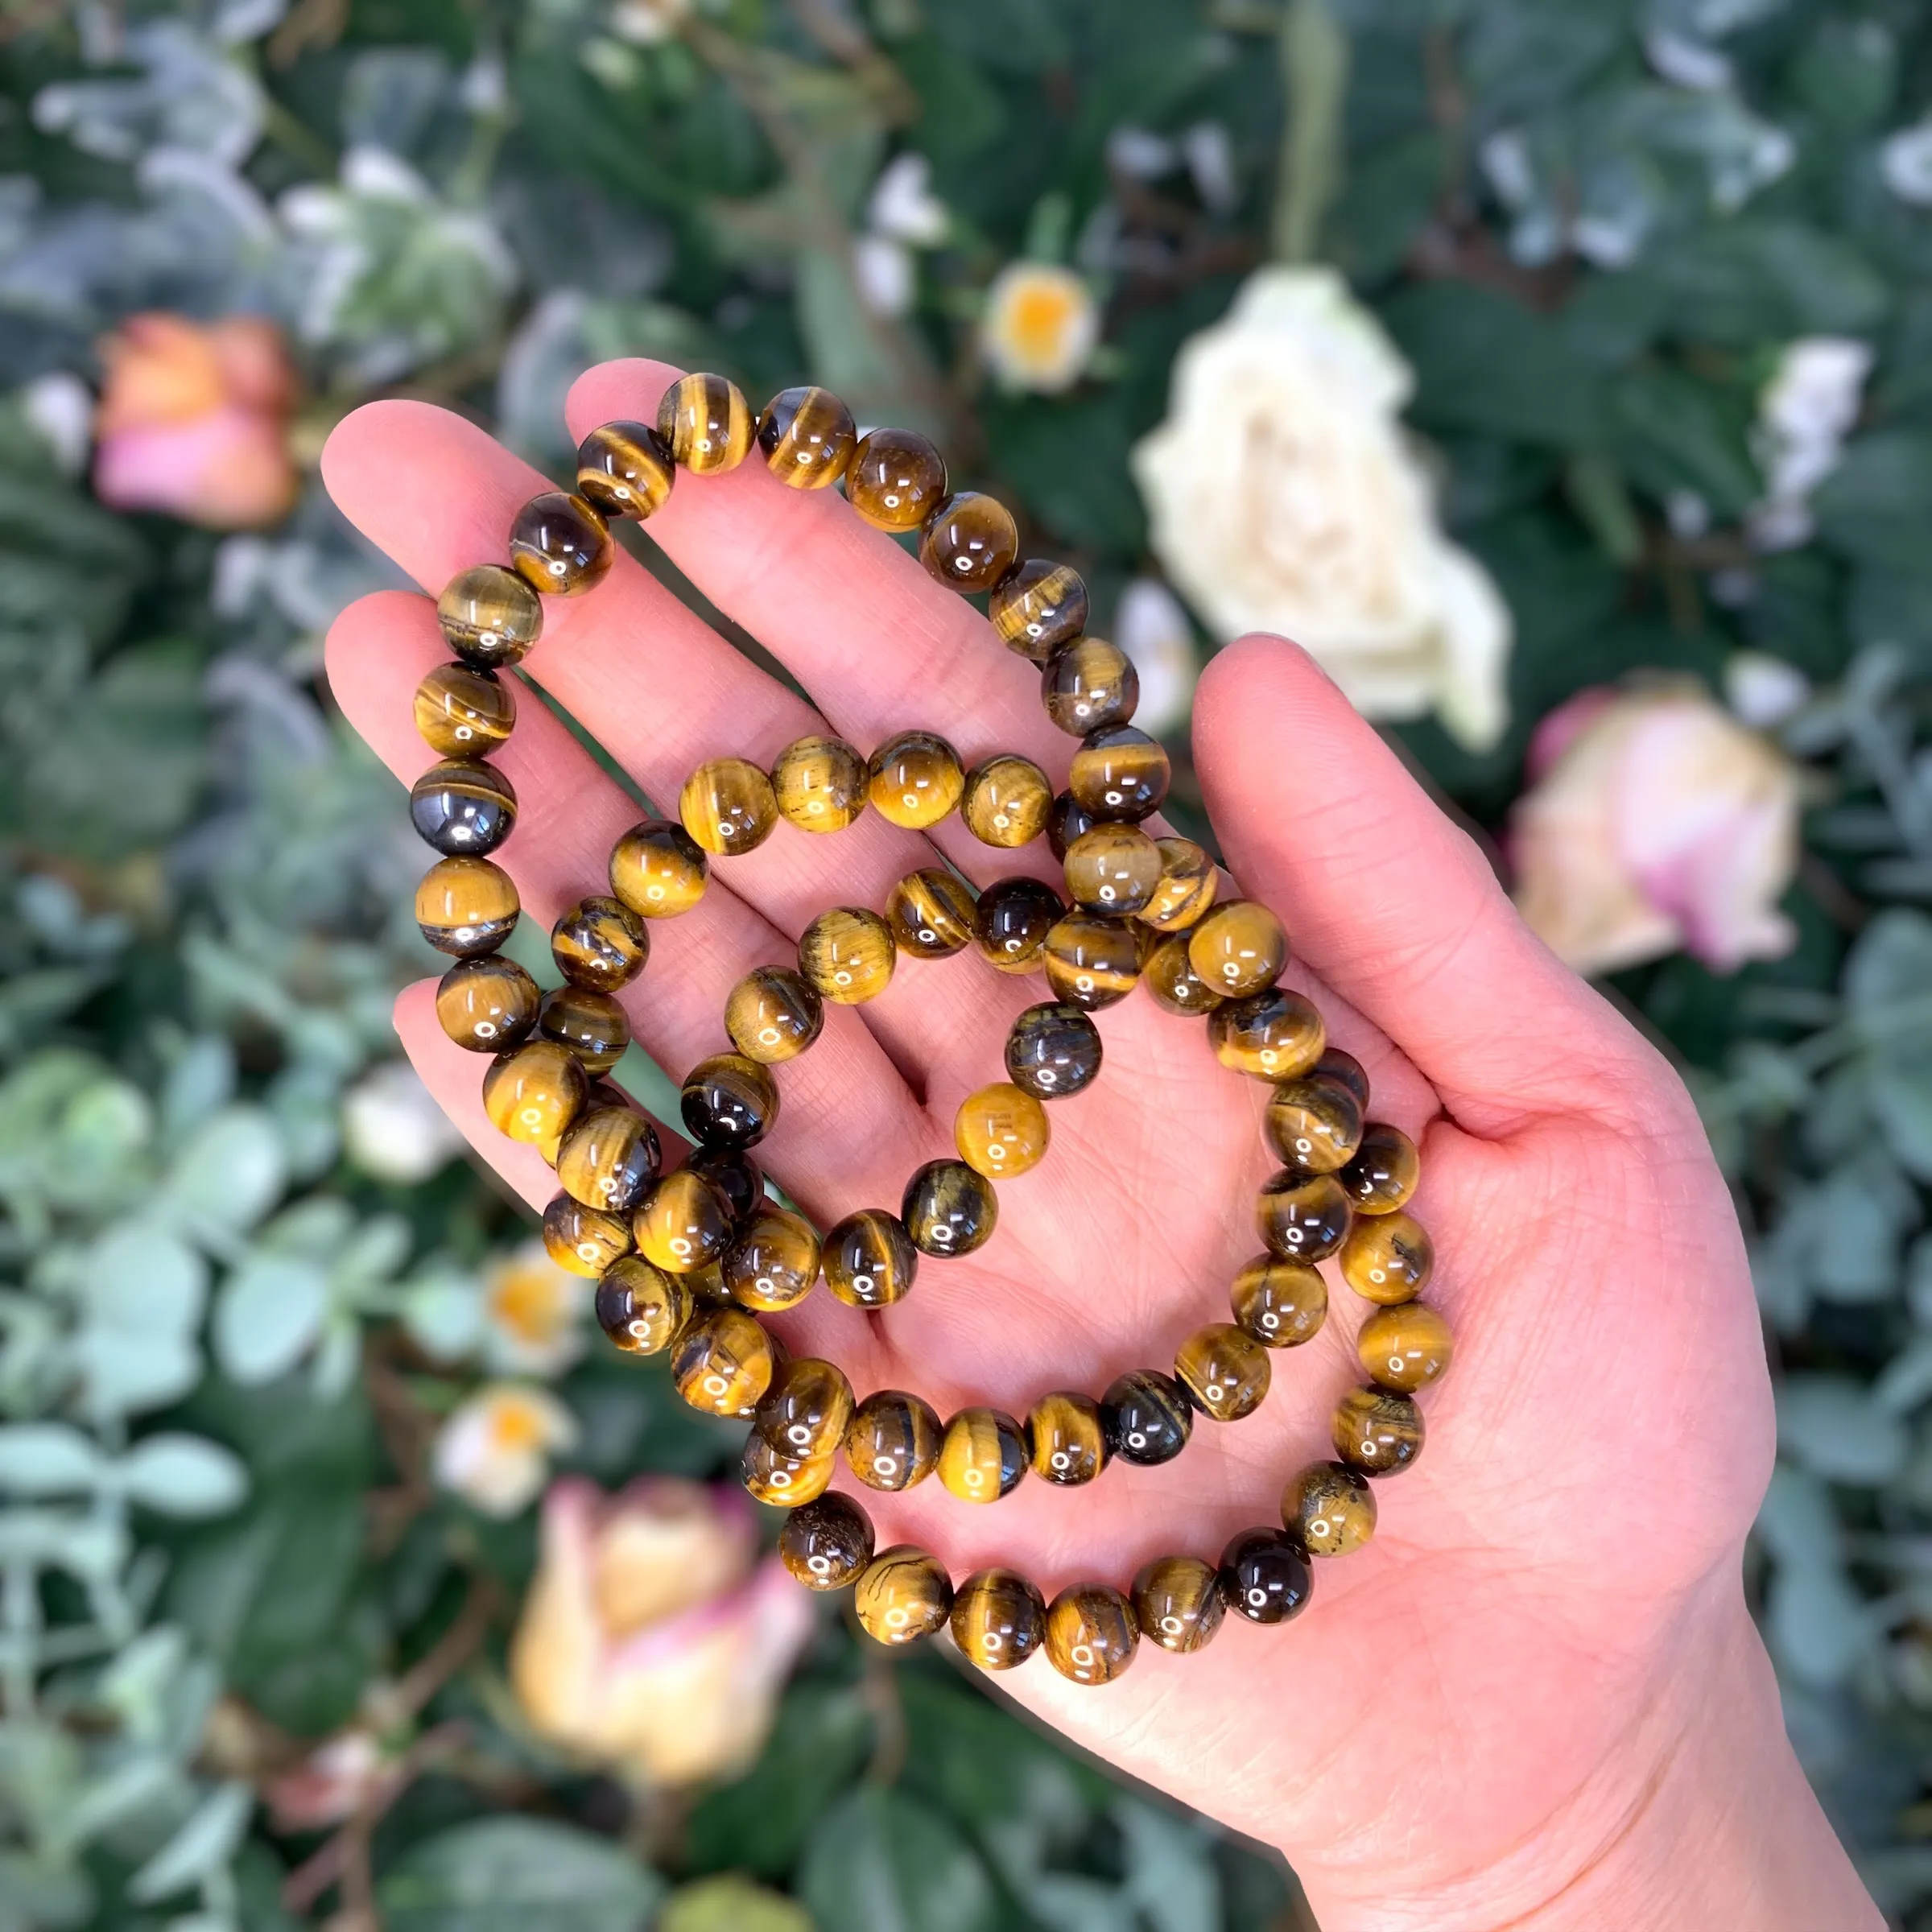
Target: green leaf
268, 1313
230, 1173
1831, 1425
1871, 506
1759, 281
202, 1847
46, 1459
517, 1875
183, 1475
883, 1862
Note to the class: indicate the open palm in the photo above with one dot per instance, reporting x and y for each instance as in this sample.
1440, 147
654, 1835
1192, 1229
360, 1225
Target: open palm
1456, 1712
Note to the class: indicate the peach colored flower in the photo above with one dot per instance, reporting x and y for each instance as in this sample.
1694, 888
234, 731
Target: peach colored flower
533, 1311
494, 1449
193, 420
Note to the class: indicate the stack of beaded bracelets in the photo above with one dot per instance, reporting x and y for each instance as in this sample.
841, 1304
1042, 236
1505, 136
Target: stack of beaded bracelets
688, 1261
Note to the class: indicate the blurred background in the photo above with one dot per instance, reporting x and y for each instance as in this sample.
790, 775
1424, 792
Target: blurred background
1558, 374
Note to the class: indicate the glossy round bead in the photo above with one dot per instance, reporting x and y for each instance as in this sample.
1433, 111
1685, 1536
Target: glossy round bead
1089, 685
706, 422
463, 713
707, 1289
534, 1092
1053, 1049
930, 913
1092, 961
1000, 1130
868, 1259
1148, 1417
641, 1307
807, 1409
1119, 773
1274, 1035
1012, 922
982, 1455
893, 1441
847, 954
914, 779
489, 615
902, 1593
658, 869
1406, 1347
1281, 1304
1239, 948
487, 1004
773, 1260
737, 1177
727, 806
560, 544
1377, 1431
1178, 1603
463, 807
1265, 1577
684, 1223
1112, 869
1329, 1508
807, 435
1301, 1216
969, 542
773, 1014
786, 1482
1312, 1124
1067, 1438
600, 944
1091, 1632
819, 783
592, 1024
1065, 820
1006, 801
1384, 1171
728, 1101
896, 479
1188, 883
1388, 1257
1225, 1369
999, 1619
1169, 975
949, 1209
584, 1240
1039, 608
827, 1544
609, 1157
625, 469
1335, 1065
722, 1362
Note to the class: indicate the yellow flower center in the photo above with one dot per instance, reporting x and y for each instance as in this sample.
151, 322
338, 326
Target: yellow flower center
529, 1300
1040, 316
516, 1424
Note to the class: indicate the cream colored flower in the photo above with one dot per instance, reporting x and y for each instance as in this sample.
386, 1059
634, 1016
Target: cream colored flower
494, 1449
1040, 326
653, 1639
533, 1311
393, 1129
1282, 496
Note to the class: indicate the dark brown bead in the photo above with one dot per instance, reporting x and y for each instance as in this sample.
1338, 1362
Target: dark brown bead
827, 1544
848, 954
1388, 1257
1378, 1431
1178, 1603
592, 1024
1301, 1216
773, 1260
1329, 1508
609, 1157
1281, 1304
582, 1239
819, 783
466, 907
722, 1362
807, 435
1406, 1347
914, 779
869, 1259
1119, 773
969, 542
896, 479
1012, 922
1274, 1035
1067, 820
1335, 1065
1170, 976
728, 1101
1067, 1438
487, 1004
1265, 1577
462, 712
1238, 949
625, 469
463, 807
1186, 889
1113, 870
893, 1441
639, 1307
982, 1455
902, 1593
1224, 1370
533, 1092
1092, 961
1313, 1124
1006, 801
706, 422
738, 1178
930, 913
949, 1208
1039, 608
999, 1619
1091, 1632
1148, 1417
727, 806
560, 544
1053, 1049
807, 1409
489, 615
600, 944
786, 1482
1383, 1173
658, 869
684, 1223
773, 1014
1089, 685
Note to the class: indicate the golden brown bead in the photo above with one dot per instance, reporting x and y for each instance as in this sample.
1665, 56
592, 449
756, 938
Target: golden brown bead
773, 1260
641, 1307
1053, 1051
1274, 1035
1067, 820
462, 712
489, 615
488, 1004
1089, 685
1264, 1576
609, 1157
729, 1101
1225, 1369
827, 1544
1186, 889
807, 1409
463, 807
868, 1259
1066, 1438
560, 544
1335, 1065
600, 944
1301, 1217
1378, 1431
786, 1482
772, 1014
1329, 1508
896, 479
1006, 801
706, 422
1170, 976
948, 1208
1039, 608
592, 1024
1091, 1632
1112, 869
1388, 1257
914, 779
684, 1223
982, 1455
930, 913
1178, 1603
707, 1287
1281, 1304
1092, 961
902, 1593
893, 1441
1119, 773
737, 1177
1001, 1130
1312, 1124
1384, 1171
722, 1362
848, 954
1239, 948
969, 542
727, 806
534, 1092
1406, 1347
819, 783
658, 869
584, 1240
1147, 1416
625, 469
807, 435
999, 1619
1012, 921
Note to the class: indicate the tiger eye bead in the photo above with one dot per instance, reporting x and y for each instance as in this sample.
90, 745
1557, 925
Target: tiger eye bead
609, 1157
1281, 1304
868, 1259
464, 713
1148, 1417
727, 806
893, 1441
463, 807
584, 1240
1274, 1035
1239, 948
982, 1455
1006, 801
1091, 1633
600, 944
1406, 1347
1301, 1216
819, 783
1170, 976
1378, 1431
930, 913
1335, 1065
1384, 1171
772, 1014
914, 779
1225, 1369
1012, 922
1089, 685
1119, 773
625, 469
1039, 608
706, 422
592, 1024
970, 542
999, 1619
489, 615
826, 1544
1067, 1438
848, 954
1388, 1257
1065, 820
1053, 1049
1092, 961
1188, 883
738, 1178
896, 479
534, 1092
807, 1409
560, 544
722, 1362
639, 1307
1265, 1577
784, 1481
773, 1260
487, 1004
949, 1209
1178, 1603
1312, 1124
1329, 1508
807, 435
465, 907
902, 1593
658, 869
1000, 1130
684, 1223
728, 1101
1113, 870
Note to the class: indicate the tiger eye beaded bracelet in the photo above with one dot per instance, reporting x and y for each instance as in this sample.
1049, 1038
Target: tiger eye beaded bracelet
688, 1261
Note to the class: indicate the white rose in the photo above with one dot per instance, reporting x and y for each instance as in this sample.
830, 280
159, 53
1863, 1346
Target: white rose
1282, 496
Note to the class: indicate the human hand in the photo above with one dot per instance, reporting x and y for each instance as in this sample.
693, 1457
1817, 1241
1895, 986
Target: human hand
1537, 1682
